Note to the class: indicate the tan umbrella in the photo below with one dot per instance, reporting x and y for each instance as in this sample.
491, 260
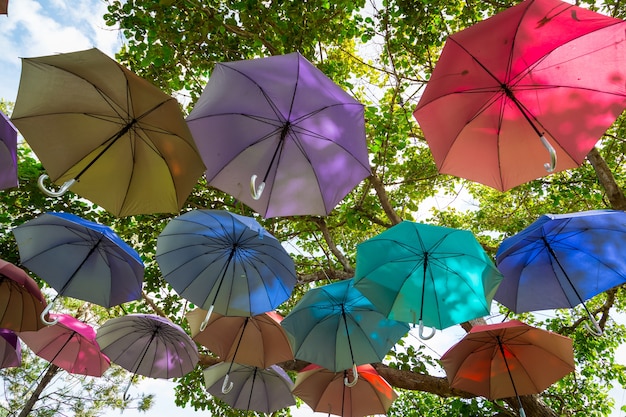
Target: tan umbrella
109, 135
21, 300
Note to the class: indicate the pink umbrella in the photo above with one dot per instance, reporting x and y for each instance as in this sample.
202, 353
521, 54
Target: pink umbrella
70, 344
10, 349
8, 149
21, 300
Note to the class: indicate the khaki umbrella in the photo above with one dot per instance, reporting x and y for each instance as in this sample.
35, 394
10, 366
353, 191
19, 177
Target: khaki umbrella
109, 135
21, 300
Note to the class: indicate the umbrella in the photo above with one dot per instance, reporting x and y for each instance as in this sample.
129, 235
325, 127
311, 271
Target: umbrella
8, 151
325, 391
432, 275
21, 300
111, 136
4, 6
262, 390
508, 359
544, 73
224, 261
10, 349
80, 258
337, 327
148, 345
561, 260
256, 341
69, 344
281, 120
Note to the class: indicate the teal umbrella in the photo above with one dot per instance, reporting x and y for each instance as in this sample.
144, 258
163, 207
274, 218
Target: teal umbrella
337, 327
425, 274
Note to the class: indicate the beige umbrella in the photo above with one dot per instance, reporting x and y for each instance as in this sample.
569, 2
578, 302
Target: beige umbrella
109, 135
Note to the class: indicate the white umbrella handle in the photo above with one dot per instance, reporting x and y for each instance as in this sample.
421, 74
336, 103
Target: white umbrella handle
206, 318
225, 386
522, 413
596, 330
549, 166
66, 186
355, 374
421, 332
254, 190
45, 312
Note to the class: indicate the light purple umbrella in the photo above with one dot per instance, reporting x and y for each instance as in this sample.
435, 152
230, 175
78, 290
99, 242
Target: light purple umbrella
280, 136
8, 153
10, 349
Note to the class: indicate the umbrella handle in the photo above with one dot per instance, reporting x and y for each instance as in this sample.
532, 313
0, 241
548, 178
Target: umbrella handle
226, 387
596, 330
66, 186
355, 373
45, 312
421, 332
552, 164
254, 190
522, 413
206, 318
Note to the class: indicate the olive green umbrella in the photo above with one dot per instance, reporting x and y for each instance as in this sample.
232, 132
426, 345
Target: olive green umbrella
106, 134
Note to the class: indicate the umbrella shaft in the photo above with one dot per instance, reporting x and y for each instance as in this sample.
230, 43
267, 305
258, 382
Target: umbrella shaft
569, 281
519, 400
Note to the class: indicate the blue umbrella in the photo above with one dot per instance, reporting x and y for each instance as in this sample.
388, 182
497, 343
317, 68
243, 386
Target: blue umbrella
562, 260
80, 259
224, 261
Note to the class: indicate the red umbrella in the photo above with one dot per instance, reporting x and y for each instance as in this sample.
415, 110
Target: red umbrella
508, 359
543, 69
21, 300
69, 344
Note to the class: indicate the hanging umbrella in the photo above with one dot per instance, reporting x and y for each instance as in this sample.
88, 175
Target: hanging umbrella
21, 300
224, 261
431, 275
542, 74
8, 150
69, 344
80, 259
282, 121
10, 349
148, 345
562, 260
256, 341
109, 135
325, 392
261, 390
4, 6
337, 327
508, 359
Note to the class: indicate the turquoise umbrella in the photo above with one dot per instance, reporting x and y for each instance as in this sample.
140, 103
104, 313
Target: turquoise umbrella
425, 274
337, 327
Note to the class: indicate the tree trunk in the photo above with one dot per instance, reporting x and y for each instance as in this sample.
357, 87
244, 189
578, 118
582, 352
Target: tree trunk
616, 196
43, 383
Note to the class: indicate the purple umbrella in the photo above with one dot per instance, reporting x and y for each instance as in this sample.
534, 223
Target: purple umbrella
280, 121
10, 349
8, 153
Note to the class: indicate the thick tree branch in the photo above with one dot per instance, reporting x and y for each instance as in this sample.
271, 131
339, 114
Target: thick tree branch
323, 227
384, 199
615, 195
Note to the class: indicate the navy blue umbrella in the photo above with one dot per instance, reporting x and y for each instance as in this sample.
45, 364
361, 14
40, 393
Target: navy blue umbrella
562, 260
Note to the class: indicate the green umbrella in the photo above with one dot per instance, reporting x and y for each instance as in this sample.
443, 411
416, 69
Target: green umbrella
431, 275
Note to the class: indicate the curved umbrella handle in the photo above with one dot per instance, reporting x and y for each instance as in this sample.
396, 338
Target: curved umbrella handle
596, 330
522, 413
206, 318
66, 186
421, 332
254, 190
355, 374
226, 387
45, 312
549, 166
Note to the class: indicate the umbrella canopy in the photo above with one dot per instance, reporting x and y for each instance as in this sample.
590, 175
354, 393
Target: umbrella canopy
541, 74
8, 150
256, 341
80, 258
4, 6
337, 327
70, 344
281, 120
10, 349
111, 136
148, 345
435, 275
21, 300
561, 260
256, 389
325, 392
508, 359
224, 261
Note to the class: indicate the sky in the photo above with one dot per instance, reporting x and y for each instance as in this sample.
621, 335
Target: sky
46, 27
